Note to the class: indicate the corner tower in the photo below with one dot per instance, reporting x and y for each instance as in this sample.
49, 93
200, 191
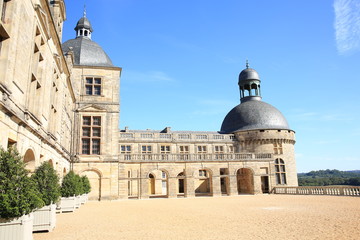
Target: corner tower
261, 128
97, 83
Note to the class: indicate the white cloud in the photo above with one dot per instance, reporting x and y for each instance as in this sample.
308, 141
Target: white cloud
347, 25
151, 76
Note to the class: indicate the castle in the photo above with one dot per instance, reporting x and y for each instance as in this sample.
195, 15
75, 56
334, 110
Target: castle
60, 103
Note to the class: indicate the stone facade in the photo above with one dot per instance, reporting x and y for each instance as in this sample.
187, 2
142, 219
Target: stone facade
61, 106
37, 99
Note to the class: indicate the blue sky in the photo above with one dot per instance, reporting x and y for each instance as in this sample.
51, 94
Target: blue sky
181, 61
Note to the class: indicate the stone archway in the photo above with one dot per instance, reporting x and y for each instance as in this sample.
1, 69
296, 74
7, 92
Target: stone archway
151, 184
203, 185
29, 160
181, 183
245, 181
95, 182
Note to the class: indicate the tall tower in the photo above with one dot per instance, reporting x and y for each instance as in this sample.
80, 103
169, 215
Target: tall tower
97, 83
261, 128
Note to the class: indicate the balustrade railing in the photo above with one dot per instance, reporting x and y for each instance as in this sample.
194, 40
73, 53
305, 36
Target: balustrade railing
193, 157
328, 190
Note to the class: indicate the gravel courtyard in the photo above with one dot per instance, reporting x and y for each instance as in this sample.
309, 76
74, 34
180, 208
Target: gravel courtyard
238, 217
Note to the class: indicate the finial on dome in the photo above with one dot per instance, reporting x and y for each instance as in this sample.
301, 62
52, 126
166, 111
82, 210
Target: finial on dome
247, 63
84, 10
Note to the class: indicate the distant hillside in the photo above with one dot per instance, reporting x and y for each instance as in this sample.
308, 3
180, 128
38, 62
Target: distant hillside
329, 177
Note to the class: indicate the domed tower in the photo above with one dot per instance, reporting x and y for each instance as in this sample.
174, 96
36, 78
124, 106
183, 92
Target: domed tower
96, 84
86, 52
261, 128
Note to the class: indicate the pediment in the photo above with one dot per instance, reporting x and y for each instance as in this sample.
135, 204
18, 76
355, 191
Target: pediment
91, 108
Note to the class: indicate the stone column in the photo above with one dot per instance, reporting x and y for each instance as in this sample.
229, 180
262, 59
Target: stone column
158, 186
144, 187
172, 190
257, 184
216, 187
233, 190
189, 188
123, 182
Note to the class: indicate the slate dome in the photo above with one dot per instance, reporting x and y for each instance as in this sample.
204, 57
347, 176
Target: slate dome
86, 52
253, 115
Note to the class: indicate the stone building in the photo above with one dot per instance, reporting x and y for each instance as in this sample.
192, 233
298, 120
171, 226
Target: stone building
36, 91
75, 124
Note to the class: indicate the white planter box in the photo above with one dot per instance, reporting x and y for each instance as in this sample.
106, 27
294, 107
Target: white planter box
78, 202
17, 229
67, 204
45, 218
83, 198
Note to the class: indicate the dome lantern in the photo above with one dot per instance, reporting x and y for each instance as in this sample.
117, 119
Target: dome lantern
249, 84
252, 113
83, 27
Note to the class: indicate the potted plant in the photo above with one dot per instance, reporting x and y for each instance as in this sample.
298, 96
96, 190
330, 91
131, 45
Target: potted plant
70, 188
79, 190
47, 182
86, 188
19, 196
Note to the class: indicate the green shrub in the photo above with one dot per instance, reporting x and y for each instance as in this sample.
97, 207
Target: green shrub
18, 192
47, 182
71, 185
79, 184
86, 184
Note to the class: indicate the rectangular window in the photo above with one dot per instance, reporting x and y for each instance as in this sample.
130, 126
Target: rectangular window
219, 152
184, 151
93, 86
202, 173
96, 146
231, 149
85, 146
164, 150
146, 151
126, 150
201, 150
91, 135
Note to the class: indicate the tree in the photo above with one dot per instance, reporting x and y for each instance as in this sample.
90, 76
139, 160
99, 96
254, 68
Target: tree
47, 182
18, 192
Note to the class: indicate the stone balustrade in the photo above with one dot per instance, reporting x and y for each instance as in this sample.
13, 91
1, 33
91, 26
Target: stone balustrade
178, 137
128, 158
328, 190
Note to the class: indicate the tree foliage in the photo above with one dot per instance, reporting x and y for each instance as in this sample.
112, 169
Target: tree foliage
86, 184
47, 182
73, 184
18, 192
329, 177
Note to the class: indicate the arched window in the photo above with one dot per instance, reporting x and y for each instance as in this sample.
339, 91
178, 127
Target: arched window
280, 171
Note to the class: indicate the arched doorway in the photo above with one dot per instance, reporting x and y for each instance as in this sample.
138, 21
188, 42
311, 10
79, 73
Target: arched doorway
29, 160
245, 181
203, 186
181, 183
151, 184
95, 182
